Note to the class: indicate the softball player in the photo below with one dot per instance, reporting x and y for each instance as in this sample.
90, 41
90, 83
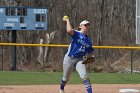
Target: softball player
79, 47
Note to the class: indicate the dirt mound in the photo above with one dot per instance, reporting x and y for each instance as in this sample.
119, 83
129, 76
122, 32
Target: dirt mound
97, 88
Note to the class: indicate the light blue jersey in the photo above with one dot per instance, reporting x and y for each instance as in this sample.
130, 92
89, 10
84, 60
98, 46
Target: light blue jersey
80, 46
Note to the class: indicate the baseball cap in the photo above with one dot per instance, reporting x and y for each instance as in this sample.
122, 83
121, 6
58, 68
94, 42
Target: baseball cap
84, 22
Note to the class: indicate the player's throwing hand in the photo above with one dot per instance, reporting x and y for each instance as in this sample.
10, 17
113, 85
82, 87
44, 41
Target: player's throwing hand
65, 18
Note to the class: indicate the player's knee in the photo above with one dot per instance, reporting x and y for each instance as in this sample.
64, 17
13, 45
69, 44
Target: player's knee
85, 77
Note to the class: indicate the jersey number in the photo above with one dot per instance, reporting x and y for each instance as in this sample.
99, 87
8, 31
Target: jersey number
82, 48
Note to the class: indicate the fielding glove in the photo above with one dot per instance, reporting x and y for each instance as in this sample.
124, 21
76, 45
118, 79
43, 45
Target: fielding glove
88, 60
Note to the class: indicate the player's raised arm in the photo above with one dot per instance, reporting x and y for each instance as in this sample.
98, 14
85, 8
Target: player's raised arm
68, 25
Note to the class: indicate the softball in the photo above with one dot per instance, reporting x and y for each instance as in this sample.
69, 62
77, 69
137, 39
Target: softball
65, 17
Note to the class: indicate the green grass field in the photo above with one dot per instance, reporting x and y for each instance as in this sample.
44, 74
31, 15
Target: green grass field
41, 78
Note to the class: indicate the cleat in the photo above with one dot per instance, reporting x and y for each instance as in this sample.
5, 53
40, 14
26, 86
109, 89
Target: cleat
62, 91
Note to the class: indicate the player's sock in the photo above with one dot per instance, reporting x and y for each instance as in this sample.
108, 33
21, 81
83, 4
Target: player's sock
62, 84
88, 85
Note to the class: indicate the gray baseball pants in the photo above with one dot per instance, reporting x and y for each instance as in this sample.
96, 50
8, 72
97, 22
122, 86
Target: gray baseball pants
68, 65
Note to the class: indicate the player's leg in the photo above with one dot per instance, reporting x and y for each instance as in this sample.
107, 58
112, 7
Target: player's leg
68, 65
67, 70
81, 69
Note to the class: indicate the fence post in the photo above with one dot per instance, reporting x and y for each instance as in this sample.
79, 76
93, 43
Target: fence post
14, 53
131, 61
2, 59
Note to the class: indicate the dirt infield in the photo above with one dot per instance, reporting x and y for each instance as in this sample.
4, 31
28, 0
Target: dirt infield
97, 88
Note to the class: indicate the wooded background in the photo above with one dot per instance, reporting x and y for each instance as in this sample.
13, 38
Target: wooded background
112, 24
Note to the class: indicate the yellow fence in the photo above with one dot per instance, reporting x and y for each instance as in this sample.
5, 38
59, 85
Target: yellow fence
61, 45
